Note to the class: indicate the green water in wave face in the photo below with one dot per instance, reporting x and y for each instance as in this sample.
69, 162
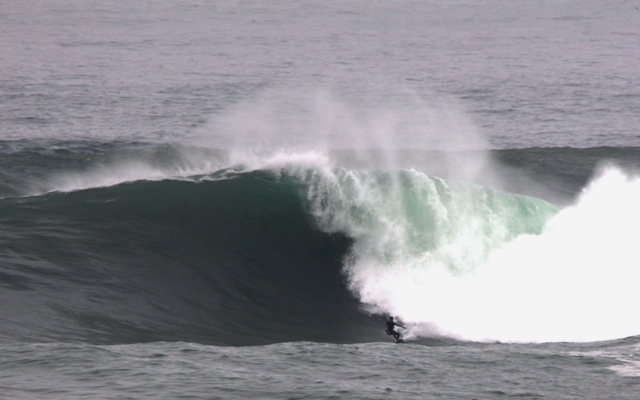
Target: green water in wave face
419, 242
410, 218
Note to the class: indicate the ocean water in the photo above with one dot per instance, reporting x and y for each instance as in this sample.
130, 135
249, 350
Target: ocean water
205, 199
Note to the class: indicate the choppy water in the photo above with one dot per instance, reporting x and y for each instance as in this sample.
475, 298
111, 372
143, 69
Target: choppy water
212, 200
317, 370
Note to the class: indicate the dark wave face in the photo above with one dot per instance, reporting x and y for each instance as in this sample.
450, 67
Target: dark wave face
292, 251
234, 261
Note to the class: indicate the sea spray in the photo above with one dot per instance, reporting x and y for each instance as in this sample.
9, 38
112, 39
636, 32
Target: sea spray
374, 134
95, 168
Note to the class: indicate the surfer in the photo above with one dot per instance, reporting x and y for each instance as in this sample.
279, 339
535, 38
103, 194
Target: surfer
390, 331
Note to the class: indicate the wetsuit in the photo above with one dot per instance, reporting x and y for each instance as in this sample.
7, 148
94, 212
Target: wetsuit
390, 331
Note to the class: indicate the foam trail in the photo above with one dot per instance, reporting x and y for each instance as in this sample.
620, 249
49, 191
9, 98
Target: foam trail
576, 281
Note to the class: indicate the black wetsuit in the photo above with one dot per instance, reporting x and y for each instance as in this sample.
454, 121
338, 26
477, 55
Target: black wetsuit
390, 331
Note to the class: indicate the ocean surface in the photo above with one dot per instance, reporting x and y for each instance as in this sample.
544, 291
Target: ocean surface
226, 200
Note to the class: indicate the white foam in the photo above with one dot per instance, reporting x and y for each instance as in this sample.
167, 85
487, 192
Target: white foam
626, 356
577, 281
627, 368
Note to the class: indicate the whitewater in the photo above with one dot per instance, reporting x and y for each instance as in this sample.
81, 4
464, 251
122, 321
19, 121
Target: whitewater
212, 200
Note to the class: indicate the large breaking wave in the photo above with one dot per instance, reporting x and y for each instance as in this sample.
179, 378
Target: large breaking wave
293, 247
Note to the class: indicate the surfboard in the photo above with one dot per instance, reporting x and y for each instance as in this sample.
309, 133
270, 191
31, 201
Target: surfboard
400, 341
